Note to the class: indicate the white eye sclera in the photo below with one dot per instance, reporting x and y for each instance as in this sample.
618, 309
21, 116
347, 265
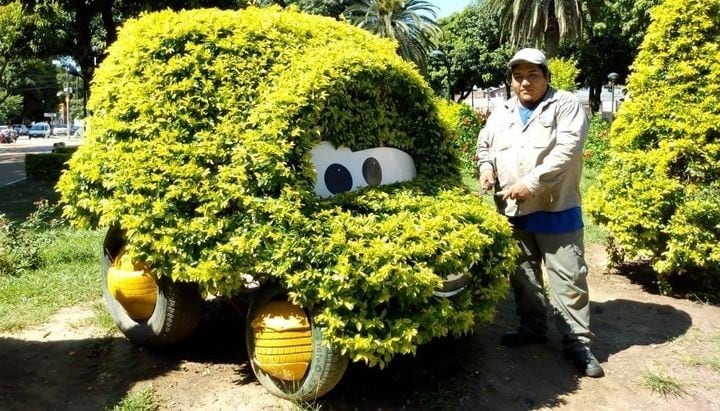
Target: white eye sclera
339, 170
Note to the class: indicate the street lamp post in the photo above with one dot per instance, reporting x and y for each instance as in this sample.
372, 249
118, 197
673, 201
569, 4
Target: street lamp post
67, 91
613, 78
438, 54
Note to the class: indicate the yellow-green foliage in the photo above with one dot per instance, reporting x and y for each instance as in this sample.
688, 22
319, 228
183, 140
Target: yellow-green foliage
597, 143
564, 73
199, 147
464, 124
658, 195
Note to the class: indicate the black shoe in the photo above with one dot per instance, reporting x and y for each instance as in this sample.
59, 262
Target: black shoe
585, 362
520, 338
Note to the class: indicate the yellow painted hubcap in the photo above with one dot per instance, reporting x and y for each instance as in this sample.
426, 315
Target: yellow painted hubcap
133, 286
283, 340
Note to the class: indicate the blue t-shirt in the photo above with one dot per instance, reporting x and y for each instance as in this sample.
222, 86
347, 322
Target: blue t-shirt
550, 222
525, 113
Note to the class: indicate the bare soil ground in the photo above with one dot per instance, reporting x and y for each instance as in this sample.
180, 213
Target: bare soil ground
65, 364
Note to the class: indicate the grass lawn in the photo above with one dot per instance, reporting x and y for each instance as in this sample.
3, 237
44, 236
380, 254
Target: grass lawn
68, 274
594, 234
65, 261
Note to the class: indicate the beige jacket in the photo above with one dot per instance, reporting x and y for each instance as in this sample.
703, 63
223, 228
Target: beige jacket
545, 153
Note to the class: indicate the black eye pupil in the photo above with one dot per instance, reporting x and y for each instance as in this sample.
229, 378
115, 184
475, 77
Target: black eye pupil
338, 178
372, 172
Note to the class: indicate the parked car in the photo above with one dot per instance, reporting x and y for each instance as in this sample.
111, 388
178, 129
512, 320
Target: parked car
60, 130
40, 130
20, 129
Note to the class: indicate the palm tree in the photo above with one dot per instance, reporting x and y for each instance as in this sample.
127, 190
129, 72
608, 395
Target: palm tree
542, 22
410, 23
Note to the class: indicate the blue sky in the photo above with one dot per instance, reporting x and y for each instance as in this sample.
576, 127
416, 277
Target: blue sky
448, 7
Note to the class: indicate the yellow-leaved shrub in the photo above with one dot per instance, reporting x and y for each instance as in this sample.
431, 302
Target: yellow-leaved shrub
199, 148
658, 193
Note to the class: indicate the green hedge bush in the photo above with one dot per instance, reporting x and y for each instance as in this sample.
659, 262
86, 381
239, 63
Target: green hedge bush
658, 194
564, 73
464, 124
199, 147
65, 150
21, 244
597, 144
46, 166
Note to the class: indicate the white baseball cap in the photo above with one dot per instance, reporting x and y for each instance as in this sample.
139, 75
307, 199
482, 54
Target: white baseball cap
528, 55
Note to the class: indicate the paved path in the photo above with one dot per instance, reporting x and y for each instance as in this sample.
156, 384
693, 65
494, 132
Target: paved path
12, 156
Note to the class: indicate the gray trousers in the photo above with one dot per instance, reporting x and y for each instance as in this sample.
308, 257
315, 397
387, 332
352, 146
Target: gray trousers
567, 271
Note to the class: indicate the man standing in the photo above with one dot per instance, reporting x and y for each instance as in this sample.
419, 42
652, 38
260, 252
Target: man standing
530, 151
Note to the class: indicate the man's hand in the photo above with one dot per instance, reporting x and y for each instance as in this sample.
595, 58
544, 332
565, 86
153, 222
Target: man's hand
517, 192
487, 180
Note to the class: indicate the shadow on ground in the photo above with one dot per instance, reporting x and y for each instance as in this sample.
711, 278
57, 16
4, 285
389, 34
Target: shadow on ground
694, 286
475, 372
88, 374
96, 373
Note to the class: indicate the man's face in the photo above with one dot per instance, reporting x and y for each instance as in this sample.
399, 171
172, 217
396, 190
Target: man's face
529, 83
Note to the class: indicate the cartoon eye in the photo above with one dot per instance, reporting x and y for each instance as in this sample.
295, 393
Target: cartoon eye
339, 170
338, 178
372, 172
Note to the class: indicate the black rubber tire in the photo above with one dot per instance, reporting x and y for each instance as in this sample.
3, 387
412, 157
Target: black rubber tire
177, 310
327, 365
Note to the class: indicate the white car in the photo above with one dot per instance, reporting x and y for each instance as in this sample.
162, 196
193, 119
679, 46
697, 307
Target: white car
20, 129
60, 130
41, 130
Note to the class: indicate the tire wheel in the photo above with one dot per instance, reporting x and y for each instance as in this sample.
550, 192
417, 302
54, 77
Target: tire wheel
177, 306
326, 364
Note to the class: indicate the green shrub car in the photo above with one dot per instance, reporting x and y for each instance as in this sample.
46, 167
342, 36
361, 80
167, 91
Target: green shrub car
295, 158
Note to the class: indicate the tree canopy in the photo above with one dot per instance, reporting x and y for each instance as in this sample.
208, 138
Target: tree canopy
540, 22
410, 23
330, 8
472, 50
13, 42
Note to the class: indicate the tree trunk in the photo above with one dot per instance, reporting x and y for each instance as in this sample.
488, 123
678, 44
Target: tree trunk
463, 95
106, 11
594, 97
552, 32
83, 53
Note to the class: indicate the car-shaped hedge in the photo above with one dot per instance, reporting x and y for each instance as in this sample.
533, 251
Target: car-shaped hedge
292, 158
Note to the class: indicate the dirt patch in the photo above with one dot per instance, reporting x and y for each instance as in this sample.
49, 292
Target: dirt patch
64, 364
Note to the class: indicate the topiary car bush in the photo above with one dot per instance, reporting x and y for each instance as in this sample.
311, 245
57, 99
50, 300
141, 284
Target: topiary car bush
200, 156
658, 194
